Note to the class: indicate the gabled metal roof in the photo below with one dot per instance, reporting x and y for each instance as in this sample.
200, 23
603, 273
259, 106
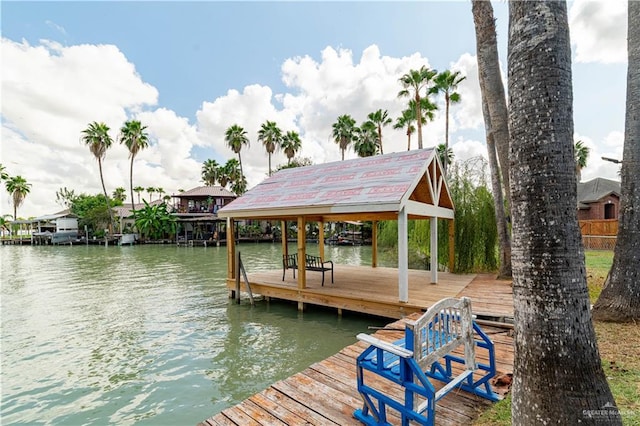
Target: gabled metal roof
205, 191
370, 185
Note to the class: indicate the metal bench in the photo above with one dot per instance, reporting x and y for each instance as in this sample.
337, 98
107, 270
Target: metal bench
424, 353
312, 263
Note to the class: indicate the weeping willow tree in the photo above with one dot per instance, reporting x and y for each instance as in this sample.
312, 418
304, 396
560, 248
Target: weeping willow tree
476, 236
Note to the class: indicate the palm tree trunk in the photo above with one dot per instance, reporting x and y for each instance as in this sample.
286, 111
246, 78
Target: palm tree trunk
557, 371
269, 164
106, 197
446, 132
240, 161
380, 138
419, 120
489, 71
620, 298
133, 206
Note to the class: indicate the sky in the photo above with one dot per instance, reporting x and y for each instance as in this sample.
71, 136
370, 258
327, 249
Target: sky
189, 70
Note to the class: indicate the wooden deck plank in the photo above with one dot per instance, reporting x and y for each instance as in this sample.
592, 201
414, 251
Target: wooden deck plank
326, 393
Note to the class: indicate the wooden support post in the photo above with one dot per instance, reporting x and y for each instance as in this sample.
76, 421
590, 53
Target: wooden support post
434, 250
231, 250
237, 275
321, 240
285, 246
374, 244
302, 251
403, 257
452, 239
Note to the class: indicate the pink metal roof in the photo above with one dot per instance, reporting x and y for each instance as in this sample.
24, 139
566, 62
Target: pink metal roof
381, 179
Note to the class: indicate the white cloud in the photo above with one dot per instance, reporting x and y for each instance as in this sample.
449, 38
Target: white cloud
599, 30
610, 147
49, 95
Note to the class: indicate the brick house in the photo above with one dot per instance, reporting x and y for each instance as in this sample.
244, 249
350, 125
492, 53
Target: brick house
598, 198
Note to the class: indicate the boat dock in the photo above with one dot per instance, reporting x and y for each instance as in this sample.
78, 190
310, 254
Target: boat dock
326, 392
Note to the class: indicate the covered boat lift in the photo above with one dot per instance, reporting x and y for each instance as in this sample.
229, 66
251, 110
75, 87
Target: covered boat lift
398, 186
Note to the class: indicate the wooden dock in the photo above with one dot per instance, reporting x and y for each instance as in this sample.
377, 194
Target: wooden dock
326, 392
374, 291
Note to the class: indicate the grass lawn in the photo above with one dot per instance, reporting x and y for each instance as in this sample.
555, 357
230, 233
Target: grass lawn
619, 346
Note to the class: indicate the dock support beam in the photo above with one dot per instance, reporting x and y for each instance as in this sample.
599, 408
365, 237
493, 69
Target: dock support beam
321, 240
374, 244
302, 251
434, 250
231, 251
403, 257
452, 240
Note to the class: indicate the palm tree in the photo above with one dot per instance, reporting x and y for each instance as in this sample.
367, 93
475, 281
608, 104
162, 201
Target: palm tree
344, 132
150, 190
271, 137
494, 112
413, 83
210, 169
446, 83
620, 297
133, 135
232, 174
159, 191
236, 138
406, 121
557, 368
581, 152
380, 118
366, 144
120, 194
4, 224
138, 190
445, 155
18, 188
291, 144
96, 137
3, 173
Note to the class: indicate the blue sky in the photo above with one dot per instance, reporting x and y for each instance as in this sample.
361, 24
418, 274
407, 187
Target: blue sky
188, 70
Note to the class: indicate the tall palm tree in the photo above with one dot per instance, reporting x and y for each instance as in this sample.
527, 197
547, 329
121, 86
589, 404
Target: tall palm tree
150, 190
236, 138
160, 191
96, 137
558, 373
271, 137
405, 120
344, 130
380, 118
494, 112
291, 144
138, 190
119, 194
367, 141
620, 297
133, 135
446, 83
581, 152
413, 83
210, 169
18, 188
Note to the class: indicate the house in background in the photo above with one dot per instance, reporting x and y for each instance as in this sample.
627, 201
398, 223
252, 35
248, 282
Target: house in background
598, 199
197, 213
57, 228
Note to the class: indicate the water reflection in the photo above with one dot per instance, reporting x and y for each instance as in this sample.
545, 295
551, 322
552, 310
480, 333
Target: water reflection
147, 334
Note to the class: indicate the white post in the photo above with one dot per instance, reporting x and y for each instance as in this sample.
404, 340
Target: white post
434, 250
403, 257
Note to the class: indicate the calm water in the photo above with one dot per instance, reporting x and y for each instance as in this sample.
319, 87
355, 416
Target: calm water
147, 334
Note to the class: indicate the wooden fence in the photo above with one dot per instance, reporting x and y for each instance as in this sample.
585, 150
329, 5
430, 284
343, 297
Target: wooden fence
599, 234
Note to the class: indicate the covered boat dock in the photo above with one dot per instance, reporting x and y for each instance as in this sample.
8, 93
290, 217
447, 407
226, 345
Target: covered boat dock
398, 186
